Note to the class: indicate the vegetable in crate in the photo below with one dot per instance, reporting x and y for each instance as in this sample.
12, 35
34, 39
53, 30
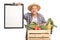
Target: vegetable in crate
50, 24
31, 25
43, 27
37, 28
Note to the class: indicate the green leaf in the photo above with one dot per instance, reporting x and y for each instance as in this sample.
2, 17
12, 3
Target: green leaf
43, 27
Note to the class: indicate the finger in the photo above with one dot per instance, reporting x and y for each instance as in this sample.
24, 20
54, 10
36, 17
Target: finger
18, 3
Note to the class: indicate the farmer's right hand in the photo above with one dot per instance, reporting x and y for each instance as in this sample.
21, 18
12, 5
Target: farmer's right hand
18, 4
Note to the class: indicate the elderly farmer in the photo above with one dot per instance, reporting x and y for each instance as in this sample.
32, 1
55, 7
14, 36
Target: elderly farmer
34, 16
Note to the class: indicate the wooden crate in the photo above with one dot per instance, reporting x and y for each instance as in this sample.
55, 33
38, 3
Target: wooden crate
38, 35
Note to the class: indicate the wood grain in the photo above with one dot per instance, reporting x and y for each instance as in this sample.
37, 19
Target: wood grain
38, 35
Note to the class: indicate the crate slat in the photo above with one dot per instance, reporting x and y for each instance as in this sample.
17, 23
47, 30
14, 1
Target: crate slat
38, 35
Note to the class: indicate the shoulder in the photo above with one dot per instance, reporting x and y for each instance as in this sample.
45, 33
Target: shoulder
40, 15
27, 14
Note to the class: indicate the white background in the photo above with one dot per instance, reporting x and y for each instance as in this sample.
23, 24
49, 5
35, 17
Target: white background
49, 9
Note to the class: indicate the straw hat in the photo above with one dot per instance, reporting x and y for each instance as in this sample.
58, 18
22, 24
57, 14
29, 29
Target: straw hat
30, 7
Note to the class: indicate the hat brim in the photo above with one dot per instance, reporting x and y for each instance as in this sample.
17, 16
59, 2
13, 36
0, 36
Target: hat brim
30, 7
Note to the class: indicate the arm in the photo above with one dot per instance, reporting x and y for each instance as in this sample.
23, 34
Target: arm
25, 17
43, 19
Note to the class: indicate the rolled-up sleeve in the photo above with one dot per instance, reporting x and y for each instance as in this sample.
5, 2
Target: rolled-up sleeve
43, 19
25, 16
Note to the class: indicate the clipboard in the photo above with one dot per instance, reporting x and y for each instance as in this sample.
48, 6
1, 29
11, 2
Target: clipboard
13, 16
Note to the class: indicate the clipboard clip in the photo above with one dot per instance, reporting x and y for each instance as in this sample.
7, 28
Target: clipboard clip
14, 4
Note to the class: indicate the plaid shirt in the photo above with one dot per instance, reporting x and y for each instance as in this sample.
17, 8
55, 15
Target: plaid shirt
28, 17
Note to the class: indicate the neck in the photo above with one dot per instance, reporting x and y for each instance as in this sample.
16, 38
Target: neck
34, 15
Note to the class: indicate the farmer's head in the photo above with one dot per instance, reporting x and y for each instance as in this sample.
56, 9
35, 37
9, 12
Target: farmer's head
34, 8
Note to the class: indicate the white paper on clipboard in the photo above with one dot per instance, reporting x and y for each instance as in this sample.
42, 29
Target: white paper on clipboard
13, 16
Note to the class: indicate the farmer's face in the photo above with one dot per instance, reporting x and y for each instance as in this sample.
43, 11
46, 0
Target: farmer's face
34, 10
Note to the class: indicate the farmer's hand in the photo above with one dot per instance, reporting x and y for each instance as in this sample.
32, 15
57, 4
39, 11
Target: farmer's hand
18, 4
